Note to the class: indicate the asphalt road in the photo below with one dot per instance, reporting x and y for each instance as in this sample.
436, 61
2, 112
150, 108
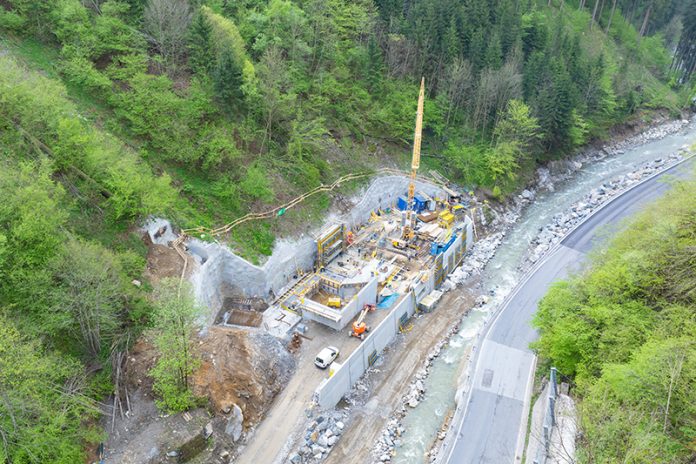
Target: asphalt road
492, 429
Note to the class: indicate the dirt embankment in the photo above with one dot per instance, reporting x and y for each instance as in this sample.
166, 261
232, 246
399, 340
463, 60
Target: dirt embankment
242, 367
162, 261
240, 372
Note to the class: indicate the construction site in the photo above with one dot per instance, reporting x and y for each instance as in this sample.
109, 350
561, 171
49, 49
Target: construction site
393, 252
352, 286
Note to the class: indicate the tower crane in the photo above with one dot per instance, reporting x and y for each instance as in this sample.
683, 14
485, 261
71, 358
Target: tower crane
407, 232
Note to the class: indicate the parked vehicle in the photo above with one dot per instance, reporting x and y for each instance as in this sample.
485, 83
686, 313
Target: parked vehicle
326, 357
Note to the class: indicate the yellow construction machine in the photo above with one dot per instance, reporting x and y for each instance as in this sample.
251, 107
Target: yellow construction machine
400, 244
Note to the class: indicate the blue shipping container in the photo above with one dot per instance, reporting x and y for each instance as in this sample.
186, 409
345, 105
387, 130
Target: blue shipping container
419, 203
402, 203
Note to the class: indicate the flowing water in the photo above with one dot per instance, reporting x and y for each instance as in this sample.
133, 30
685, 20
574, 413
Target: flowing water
501, 275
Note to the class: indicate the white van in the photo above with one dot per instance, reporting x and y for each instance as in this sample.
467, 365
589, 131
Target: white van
326, 357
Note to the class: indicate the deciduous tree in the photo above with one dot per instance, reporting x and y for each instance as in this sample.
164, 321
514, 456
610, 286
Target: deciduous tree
86, 297
167, 22
42, 402
174, 321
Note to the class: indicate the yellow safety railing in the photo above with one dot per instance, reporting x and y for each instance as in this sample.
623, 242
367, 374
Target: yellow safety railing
292, 203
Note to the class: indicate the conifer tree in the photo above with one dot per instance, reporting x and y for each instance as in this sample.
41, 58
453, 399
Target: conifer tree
556, 109
452, 41
685, 56
227, 79
375, 67
494, 54
200, 50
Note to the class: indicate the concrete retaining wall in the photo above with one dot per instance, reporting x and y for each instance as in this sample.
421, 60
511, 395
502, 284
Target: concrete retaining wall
382, 193
221, 272
331, 390
368, 294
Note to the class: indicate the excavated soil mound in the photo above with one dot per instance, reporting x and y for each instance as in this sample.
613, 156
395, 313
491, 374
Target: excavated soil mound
243, 368
162, 261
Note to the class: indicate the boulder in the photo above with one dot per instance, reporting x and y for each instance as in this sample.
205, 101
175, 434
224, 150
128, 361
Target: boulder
235, 427
208, 430
527, 194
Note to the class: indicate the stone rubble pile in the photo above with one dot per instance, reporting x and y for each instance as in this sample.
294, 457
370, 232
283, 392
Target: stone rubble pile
323, 432
320, 436
475, 260
653, 133
560, 170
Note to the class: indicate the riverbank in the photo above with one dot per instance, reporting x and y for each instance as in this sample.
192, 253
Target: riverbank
562, 223
476, 262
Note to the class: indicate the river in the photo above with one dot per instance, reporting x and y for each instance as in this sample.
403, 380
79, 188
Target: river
501, 275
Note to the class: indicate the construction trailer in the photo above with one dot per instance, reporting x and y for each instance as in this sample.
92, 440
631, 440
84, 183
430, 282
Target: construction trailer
420, 203
428, 303
402, 203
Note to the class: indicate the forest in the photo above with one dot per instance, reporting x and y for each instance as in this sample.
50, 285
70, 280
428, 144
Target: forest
240, 104
623, 332
201, 111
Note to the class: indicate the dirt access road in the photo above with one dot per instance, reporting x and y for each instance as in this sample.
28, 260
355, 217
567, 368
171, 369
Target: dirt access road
406, 356
277, 431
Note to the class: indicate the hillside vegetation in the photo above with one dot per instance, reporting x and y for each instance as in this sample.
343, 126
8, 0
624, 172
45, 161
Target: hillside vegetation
201, 111
247, 103
624, 332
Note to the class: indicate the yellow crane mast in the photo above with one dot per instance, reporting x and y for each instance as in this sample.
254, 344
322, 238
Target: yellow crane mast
415, 162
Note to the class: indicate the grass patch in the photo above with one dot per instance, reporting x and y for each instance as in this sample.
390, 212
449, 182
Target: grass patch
40, 56
253, 241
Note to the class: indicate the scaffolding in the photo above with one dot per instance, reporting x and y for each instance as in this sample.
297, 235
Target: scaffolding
330, 243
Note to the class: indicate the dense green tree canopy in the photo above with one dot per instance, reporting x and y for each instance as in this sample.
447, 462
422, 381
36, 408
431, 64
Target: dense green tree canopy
624, 332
